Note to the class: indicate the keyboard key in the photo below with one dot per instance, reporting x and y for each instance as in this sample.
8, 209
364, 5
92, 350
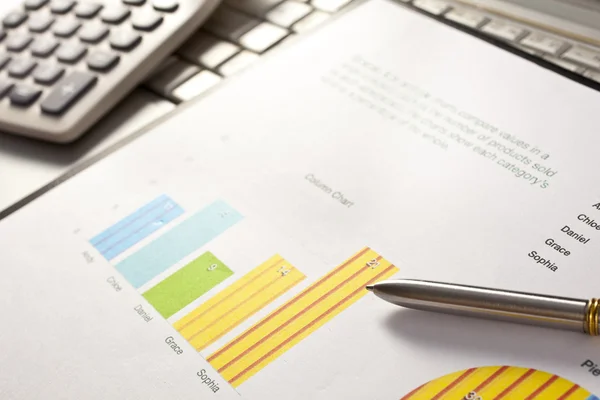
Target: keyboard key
229, 24
102, 61
165, 5
67, 92
70, 52
258, 8
562, 63
238, 63
93, 32
503, 30
124, 39
288, 13
5, 86
593, 75
66, 27
134, 2
61, 6
115, 14
24, 95
21, 67
87, 9
207, 50
40, 22
44, 46
14, 19
34, 4
171, 75
467, 18
263, 37
4, 59
588, 57
311, 21
146, 20
544, 43
18, 42
196, 85
435, 7
47, 74
330, 5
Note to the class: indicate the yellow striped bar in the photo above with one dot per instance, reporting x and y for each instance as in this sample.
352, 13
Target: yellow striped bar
268, 339
238, 302
502, 382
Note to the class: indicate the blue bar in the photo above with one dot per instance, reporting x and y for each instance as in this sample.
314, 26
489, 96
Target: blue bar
193, 233
136, 227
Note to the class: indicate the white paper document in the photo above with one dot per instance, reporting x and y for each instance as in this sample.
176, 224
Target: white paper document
225, 253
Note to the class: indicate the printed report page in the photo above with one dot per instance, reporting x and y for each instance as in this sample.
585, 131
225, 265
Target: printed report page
224, 254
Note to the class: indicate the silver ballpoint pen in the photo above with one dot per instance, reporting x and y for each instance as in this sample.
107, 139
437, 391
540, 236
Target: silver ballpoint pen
502, 305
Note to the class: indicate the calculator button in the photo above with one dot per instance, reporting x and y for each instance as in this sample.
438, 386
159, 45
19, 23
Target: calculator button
14, 19
93, 32
115, 14
61, 6
67, 92
134, 2
24, 95
70, 52
35, 4
5, 87
165, 5
44, 46
40, 22
102, 61
21, 67
66, 27
47, 74
146, 20
4, 59
124, 39
18, 42
87, 10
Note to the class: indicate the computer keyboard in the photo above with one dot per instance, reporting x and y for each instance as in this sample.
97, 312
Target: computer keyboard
241, 31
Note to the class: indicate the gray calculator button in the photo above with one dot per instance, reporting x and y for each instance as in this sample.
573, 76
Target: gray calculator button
66, 27
18, 42
93, 32
165, 5
40, 22
134, 2
61, 6
24, 95
146, 20
115, 14
14, 19
4, 59
21, 67
87, 10
124, 39
67, 92
44, 46
70, 52
35, 4
5, 87
47, 74
102, 60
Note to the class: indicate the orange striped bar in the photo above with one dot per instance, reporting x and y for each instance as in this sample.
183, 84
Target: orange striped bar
503, 382
238, 302
268, 339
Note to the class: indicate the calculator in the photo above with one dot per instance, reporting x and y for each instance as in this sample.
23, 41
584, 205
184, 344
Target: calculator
66, 63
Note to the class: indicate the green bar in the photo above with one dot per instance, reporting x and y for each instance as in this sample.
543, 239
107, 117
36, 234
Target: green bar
187, 284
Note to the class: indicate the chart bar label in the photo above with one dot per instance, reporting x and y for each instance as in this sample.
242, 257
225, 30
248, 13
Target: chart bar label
136, 227
238, 302
268, 339
165, 251
187, 284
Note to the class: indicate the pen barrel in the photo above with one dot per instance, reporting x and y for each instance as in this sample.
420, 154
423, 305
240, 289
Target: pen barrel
478, 302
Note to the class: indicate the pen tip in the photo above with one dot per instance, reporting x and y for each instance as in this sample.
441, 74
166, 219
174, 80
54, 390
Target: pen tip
370, 288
